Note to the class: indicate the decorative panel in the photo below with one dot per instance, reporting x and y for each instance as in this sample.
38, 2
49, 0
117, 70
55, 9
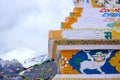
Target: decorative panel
90, 62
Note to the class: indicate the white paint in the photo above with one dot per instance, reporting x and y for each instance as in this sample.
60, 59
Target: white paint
87, 76
84, 34
87, 47
92, 17
92, 64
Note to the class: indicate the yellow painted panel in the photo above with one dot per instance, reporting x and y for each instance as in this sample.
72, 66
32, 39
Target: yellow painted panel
69, 51
78, 9
66, 25
115, 34
75, 14
67, 68
55, 34
71, 19
95, 5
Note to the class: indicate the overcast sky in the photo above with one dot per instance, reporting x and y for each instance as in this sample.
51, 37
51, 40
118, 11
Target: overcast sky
24, 26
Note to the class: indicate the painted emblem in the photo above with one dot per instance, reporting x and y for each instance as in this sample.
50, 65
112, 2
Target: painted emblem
95, 62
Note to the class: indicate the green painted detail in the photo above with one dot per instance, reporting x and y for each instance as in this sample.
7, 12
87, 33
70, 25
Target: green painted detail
108, 35
62, 25
114, 25
71, 14
77, 61
111, 25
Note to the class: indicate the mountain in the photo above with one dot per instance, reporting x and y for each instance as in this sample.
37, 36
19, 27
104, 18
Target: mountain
2, 62
10, 69
40, 67
36, 60
44, 71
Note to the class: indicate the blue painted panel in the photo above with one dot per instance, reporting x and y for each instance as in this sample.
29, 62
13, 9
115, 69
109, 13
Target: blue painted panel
96, 61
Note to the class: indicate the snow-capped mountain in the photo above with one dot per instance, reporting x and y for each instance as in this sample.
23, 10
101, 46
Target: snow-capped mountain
34, 68
44, 71
26, 63
36, 60
2, 62
7, 63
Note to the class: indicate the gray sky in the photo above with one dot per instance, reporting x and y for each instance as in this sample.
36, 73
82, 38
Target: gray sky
24, 25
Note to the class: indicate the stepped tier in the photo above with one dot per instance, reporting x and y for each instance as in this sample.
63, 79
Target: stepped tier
84, 34
97, 18
84, 15
93, 18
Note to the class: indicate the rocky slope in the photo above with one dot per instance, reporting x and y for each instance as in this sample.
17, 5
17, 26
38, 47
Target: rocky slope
40, 67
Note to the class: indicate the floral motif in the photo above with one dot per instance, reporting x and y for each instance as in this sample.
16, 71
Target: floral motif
64, 62
115, 61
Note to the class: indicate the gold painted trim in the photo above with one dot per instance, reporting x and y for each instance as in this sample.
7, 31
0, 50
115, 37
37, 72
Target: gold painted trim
82, 42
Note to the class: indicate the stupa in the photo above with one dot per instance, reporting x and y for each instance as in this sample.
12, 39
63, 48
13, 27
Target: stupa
88, 45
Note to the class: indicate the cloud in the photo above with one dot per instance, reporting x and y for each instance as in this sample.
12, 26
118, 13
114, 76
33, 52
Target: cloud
19, 53
25, 23
13, 11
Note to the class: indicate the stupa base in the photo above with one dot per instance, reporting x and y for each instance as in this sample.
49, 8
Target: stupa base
87, 77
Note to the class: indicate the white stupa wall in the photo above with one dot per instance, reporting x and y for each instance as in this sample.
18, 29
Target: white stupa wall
92, 17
